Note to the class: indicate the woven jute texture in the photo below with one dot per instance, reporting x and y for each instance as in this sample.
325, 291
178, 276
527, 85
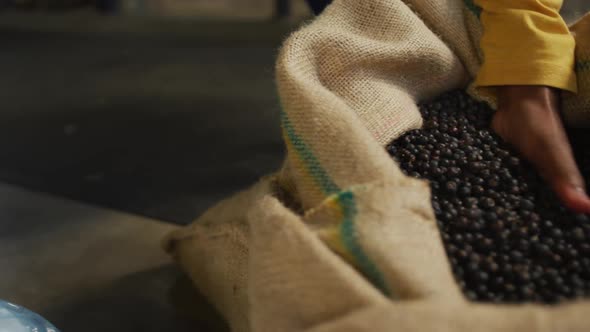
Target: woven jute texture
339, 239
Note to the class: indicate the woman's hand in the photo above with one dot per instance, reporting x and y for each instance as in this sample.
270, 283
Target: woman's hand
528, 118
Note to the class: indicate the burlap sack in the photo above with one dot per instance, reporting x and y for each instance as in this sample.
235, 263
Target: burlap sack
576, 108
339, 239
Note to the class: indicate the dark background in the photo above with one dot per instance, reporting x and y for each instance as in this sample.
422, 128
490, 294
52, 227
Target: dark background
156, 117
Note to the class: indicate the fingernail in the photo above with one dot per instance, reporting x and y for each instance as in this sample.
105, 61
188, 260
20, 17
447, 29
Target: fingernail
580, 190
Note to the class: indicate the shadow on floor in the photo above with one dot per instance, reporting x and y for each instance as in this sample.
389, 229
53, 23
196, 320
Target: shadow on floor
168, 166
152, 301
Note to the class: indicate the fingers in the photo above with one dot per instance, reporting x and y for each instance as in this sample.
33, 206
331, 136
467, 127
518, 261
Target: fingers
529, 120
554, 158
574, 198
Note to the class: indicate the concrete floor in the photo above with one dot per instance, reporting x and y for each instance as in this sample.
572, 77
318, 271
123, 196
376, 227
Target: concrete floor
155, 117
75, 265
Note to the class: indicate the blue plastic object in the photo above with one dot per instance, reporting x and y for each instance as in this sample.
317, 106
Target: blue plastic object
14, 318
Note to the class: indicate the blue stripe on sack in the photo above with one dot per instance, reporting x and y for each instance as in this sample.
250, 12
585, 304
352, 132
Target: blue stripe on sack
349, 238
475, 9
583, 65
318, 173
346, 201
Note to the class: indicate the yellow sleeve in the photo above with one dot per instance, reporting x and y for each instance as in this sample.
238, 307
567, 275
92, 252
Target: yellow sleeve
526, 42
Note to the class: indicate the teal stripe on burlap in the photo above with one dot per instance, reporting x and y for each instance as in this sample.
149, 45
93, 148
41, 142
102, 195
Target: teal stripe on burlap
350, 239
313, 165
346, 202
475, 9
582, 65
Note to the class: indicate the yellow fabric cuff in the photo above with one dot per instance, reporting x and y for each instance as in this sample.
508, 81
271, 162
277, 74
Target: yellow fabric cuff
532, 73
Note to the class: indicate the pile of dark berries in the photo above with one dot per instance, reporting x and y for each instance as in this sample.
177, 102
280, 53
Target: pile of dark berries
508, 237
